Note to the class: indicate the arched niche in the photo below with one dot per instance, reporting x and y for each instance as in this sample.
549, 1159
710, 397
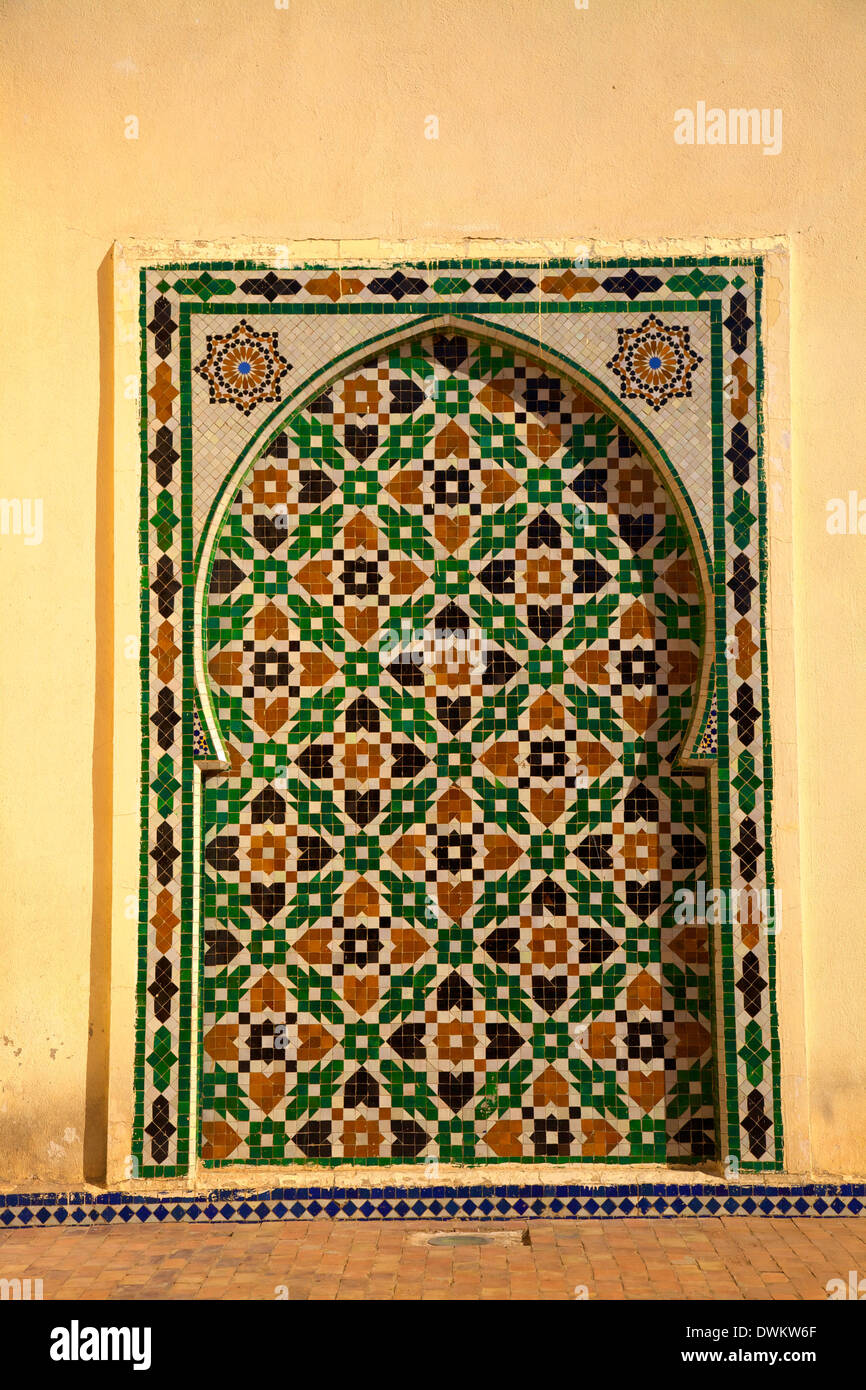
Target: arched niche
504, 841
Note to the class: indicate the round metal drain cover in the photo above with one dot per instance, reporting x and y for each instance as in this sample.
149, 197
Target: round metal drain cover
456, 1238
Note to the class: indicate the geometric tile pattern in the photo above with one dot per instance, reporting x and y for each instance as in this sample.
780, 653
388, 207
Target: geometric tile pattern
452, 639
654, 362
439, 1203
453, 632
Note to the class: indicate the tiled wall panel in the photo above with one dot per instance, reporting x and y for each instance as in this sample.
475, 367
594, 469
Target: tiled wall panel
428, 908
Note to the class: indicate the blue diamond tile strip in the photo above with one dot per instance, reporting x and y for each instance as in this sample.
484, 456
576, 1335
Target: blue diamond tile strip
568, 1202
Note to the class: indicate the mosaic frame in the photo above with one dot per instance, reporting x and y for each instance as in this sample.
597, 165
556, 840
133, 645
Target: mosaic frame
167, 1083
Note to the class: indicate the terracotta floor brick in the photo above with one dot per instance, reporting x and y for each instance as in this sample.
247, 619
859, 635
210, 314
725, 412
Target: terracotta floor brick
691, 1259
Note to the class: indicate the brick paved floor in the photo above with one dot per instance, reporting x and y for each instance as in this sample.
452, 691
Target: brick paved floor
733, 1257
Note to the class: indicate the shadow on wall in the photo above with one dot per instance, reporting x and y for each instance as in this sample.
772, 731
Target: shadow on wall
96, 1085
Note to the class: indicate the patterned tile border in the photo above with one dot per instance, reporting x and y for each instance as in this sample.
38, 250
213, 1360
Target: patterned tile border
476, 1203
726, 293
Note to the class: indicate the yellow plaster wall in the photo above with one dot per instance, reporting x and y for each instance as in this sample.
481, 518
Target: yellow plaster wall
309, 122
